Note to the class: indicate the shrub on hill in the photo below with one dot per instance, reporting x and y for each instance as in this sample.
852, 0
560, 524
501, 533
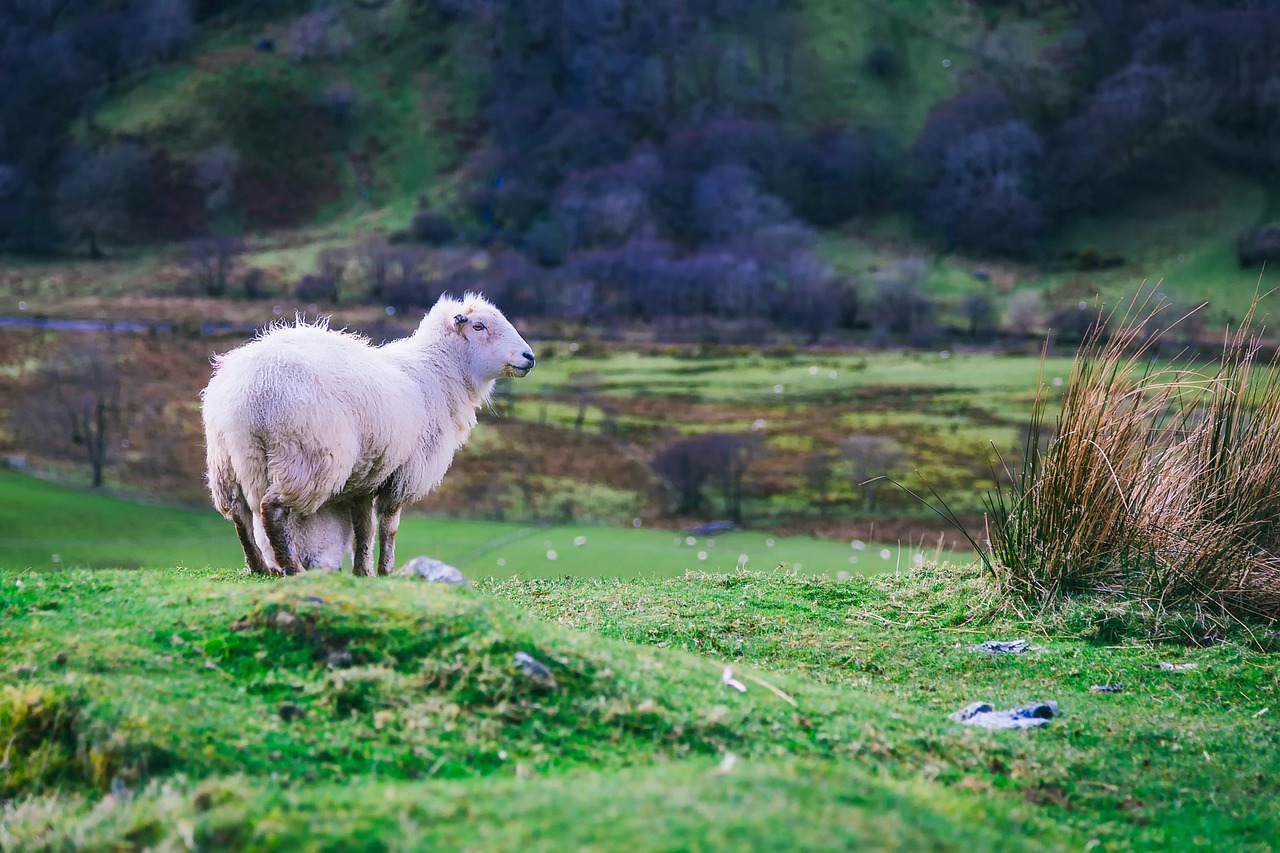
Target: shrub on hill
1258, 245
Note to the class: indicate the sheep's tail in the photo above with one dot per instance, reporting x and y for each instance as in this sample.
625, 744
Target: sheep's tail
224, 487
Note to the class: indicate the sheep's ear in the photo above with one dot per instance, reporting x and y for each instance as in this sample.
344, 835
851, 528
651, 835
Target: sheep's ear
459, 322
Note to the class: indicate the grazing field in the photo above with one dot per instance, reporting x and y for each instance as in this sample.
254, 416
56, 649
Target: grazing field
574, 442
44, 525
946, 409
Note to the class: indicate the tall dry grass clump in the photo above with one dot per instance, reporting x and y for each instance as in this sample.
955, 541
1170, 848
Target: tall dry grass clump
1161, 479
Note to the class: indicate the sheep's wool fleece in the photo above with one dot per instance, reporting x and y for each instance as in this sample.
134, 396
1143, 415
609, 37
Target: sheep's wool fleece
313, 413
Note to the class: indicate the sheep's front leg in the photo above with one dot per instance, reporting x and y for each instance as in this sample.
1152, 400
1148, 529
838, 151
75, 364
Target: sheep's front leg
388, 524
275, 520
362, 525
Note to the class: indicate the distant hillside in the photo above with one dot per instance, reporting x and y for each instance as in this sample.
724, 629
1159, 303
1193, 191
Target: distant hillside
634, 161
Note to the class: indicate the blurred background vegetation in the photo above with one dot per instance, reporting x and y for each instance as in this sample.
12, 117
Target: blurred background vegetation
749, 235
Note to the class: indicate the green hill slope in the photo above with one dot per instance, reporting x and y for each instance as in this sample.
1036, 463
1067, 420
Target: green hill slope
159, 708
156, 707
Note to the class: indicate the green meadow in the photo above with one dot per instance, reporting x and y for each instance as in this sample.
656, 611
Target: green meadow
45, 525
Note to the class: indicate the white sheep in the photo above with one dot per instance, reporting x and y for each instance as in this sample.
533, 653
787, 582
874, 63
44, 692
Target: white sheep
320, 540
304, 416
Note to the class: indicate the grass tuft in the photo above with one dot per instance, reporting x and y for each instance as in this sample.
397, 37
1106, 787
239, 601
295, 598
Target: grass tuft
1158, 480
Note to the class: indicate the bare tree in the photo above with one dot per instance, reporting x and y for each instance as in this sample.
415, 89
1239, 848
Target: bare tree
738, 453
1025, 313
375, 259
871, 458
980, 311
587, 384
683, 467
99, 196
900, 305
819, 472
211, 261
331, 267
76, 403
326, 282
688, 465
215, 176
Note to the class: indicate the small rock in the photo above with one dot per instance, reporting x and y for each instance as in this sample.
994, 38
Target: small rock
984, 715
534, 668
998, 647
1106, 688
727, 679
315, 599
431, 569
284, 617
1176, 667
23, 670
726, 765
290, 711
339, 659
275, 755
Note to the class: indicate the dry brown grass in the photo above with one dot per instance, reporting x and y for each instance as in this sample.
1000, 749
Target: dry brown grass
1162, 480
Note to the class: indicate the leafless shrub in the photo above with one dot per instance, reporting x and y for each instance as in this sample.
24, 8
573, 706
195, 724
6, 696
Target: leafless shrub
76, 405
211, 261
375, 259
872, 459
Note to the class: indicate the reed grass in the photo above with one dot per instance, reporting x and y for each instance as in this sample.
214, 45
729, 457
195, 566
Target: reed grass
1160, 479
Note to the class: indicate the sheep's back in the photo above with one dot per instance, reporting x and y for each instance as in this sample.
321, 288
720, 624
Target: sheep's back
310, 413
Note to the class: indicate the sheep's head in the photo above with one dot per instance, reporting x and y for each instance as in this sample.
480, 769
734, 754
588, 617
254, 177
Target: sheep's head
493, 347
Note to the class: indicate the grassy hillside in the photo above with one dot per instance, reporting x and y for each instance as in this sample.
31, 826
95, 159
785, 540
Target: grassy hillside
207, 708
411, 88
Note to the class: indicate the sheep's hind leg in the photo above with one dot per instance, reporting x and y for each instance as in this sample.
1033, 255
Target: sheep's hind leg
275, 520
244, 529
362, 525
232, 504
388, 524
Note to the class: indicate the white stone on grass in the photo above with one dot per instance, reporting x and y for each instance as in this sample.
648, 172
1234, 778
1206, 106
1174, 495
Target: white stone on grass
431, 569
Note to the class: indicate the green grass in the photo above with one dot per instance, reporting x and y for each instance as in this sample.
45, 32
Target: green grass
838, 37
1183, 239
205, 707
754, 377
43, 525
418, 729
766, 806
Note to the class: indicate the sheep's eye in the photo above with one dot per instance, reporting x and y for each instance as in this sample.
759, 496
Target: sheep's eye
479, 327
